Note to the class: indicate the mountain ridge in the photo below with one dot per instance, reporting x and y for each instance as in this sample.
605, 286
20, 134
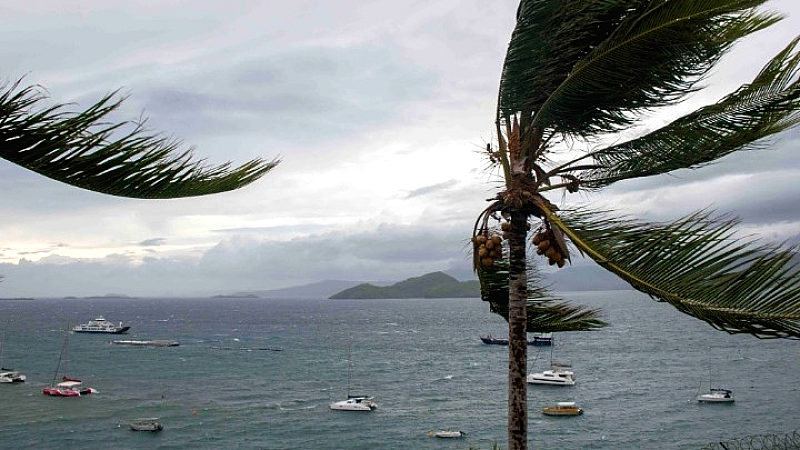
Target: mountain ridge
430, 285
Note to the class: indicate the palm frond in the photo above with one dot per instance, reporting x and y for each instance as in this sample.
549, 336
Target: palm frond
550, 37
624, 56
768, 105
698, 266
83, 150
545, 312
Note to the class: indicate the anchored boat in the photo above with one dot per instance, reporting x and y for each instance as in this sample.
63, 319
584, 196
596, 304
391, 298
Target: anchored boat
562, 409
100, 325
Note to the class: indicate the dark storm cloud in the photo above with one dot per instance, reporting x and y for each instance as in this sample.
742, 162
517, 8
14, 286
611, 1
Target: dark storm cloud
154, 242
306, 96
434, 188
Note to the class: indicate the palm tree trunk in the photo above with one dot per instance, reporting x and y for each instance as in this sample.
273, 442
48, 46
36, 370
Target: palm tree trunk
517, 334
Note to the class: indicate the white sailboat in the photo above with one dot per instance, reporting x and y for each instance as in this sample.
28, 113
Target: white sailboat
353, 402
8, 375
715, 395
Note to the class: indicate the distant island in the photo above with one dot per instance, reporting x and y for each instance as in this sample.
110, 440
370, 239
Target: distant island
431, 285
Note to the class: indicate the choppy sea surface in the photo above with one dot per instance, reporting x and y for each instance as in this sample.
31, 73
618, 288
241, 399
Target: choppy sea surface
260, 374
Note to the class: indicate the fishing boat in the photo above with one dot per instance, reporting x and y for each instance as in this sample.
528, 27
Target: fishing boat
562, 409
100, 325
447, 434
353, 402
68, 387
146, 424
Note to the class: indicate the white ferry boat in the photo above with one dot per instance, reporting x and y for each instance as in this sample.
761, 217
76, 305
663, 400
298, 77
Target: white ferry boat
100, 325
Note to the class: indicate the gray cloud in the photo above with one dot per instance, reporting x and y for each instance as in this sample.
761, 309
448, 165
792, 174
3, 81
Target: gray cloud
154, 242
366, 110
425, 190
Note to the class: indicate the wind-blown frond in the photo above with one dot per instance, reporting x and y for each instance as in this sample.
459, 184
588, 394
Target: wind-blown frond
82, 150
545, 312
768, 105
697, 266
550, 37
625, 56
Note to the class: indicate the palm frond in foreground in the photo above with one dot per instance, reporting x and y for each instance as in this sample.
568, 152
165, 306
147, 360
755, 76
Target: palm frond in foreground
121, 159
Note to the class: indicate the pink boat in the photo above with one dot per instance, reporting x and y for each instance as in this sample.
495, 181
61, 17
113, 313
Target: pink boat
69, 387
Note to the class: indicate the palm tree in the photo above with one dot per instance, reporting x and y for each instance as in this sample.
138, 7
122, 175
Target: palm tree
579, 71
121, 159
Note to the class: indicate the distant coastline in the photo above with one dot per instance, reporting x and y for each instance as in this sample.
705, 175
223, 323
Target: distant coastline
431, 285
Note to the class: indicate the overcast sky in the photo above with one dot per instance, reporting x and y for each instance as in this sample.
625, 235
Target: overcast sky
378, 110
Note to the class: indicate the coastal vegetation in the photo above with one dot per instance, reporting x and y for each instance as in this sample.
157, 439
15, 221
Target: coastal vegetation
578, 78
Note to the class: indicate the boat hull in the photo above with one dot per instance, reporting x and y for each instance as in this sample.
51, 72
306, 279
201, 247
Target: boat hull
55, 392
707, 398
560, 412
12, 377
716, 396
446, 434
354, 404
501, 341
551, 382
152, 343
122, 330
146, 425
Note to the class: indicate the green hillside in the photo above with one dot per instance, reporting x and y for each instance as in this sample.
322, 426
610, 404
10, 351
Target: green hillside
432, 285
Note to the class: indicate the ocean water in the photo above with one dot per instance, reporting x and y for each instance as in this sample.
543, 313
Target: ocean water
228, 386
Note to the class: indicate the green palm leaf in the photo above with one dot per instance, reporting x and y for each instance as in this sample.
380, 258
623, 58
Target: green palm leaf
644, 54
545, 312
82, 150
698, 266
768, 105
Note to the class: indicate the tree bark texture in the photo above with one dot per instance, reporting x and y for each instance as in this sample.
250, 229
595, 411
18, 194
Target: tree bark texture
517, 334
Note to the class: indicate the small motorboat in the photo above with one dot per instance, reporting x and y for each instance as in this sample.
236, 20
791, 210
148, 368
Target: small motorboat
716, 396
542, 339
146, 424
560, 374
355, 403
562, 409
446, 434
11, 376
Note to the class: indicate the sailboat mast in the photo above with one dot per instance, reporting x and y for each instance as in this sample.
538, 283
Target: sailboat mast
61, 356
349, 365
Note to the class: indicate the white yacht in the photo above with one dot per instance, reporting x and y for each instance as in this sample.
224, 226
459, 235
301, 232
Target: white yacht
716, 396
100, 325
355, 403
11, 376
559, 375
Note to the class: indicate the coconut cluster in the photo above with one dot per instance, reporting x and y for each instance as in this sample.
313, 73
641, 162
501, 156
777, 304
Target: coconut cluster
489, 247
546, 244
